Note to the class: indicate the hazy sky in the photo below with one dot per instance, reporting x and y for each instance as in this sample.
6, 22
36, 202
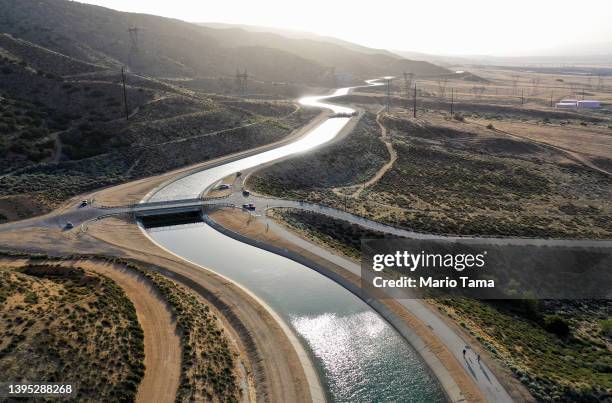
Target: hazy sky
498, 27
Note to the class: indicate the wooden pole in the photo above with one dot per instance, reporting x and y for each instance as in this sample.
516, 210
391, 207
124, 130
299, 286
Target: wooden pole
551, 98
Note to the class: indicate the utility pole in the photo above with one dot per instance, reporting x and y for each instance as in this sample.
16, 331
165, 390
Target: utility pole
522, 96
125, 103
452, 99
551, 97
414, 103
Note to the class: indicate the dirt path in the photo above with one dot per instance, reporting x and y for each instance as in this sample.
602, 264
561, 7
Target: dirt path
392, 158
161, 342
383, 170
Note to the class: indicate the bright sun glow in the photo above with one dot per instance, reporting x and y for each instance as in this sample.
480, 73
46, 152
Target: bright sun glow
495, 27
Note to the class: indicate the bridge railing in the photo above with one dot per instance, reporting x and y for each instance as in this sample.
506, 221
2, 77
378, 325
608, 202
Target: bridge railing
163, 203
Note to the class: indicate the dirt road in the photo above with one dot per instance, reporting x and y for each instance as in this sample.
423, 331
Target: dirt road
161, 342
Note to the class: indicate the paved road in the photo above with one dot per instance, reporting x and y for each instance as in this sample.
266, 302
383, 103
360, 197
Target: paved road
262, 203
81, 215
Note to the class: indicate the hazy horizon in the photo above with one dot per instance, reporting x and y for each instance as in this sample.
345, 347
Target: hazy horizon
450, 28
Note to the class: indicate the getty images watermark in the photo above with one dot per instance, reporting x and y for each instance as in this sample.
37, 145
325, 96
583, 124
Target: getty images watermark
407, 261
486, 269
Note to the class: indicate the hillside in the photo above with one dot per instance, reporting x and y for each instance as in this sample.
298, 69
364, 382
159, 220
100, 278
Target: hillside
63, 128
344, 60
173, 48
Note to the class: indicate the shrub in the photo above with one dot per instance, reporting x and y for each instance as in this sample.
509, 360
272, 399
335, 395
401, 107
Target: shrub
606, 327
556, 325
490, 126
458, 117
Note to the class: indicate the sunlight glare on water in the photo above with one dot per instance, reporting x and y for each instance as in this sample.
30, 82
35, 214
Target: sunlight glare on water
191, 186
364, 359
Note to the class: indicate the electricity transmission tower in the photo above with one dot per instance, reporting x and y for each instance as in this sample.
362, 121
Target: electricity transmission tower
388, 94
241, 82
133, 52
515, 80
442, 83
408, 77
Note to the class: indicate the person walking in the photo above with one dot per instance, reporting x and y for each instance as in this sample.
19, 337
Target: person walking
464, 353
478, 358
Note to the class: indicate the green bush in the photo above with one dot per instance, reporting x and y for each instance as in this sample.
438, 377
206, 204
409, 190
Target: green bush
556, 325
606, 327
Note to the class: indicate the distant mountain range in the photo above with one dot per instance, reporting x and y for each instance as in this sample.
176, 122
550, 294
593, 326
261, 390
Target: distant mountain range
169, 48
295, 34
599, 53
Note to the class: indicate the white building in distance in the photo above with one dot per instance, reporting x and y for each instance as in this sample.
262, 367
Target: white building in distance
574, 103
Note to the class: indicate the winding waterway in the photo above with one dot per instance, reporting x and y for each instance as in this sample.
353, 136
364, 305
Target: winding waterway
358, 355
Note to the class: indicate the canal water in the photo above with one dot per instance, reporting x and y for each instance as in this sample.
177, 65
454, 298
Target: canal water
359, 356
